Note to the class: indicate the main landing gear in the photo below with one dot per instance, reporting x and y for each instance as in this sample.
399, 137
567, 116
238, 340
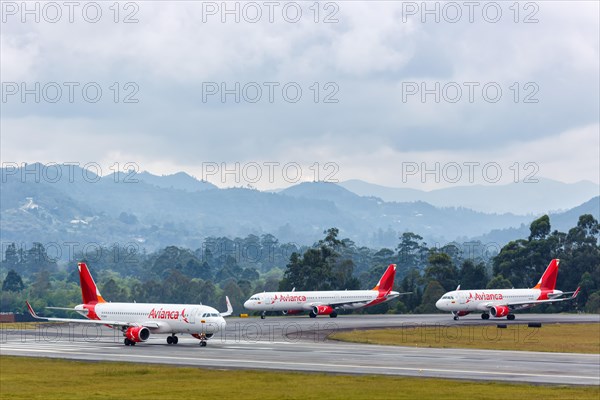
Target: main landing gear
128, 342
510, 317
485, 316
172, 339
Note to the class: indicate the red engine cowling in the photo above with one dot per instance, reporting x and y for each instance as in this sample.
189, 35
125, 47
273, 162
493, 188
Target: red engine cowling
322, 310
499, 311
137, 333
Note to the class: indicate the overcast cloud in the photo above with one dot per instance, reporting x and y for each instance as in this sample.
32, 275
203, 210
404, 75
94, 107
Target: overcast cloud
370, 62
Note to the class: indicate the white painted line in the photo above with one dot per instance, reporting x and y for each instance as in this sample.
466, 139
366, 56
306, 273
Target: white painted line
310, 366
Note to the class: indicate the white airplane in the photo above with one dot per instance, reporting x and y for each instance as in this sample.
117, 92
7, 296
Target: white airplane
501, 302
324, 302
138, 320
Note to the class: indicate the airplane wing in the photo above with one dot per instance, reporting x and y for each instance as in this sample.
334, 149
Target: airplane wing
229, 308
89, 321
517, 304
341, 304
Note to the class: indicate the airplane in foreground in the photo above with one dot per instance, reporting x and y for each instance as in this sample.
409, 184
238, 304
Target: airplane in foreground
501, 302
138, 320
325, 302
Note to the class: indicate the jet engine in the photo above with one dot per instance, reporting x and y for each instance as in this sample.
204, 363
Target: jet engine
323, 310
499, 311
137, 334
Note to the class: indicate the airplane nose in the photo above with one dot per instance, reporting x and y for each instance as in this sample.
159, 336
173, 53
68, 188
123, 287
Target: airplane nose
248, 305
439, 304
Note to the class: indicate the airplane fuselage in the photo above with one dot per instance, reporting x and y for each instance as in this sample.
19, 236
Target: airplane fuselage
138, 320
500, 303
305, 301
160, 318
481, 300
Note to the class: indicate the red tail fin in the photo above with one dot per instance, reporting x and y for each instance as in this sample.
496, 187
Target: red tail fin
386, 282
548, 279
89, 290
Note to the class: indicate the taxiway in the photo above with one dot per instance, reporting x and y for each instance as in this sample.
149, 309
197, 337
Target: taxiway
300, 344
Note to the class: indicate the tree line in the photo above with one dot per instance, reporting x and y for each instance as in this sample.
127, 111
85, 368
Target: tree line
242, 266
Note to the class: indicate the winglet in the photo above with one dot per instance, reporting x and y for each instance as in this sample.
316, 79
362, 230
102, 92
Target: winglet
576, 292
229, 308
31, 311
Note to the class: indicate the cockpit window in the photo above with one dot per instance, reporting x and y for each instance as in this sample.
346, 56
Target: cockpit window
206, 315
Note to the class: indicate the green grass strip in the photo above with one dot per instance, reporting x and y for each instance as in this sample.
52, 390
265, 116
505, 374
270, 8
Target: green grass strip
36, 378
563, 338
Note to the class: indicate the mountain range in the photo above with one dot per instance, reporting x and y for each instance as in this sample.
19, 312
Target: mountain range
153, 211
542, 196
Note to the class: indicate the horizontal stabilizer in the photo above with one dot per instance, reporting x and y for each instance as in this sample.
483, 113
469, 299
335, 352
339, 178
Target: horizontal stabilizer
84, 310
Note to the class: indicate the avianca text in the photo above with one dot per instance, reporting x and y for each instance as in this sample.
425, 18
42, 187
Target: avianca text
163, 314
287, 297
485, 296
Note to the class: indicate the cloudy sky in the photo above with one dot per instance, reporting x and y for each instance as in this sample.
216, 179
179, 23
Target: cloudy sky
270, 94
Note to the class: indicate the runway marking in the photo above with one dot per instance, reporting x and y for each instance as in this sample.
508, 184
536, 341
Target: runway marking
308, 365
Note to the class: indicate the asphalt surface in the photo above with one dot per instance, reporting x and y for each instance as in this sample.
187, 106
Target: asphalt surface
298, 343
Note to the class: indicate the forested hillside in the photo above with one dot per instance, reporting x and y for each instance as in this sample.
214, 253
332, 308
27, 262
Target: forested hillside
242, 266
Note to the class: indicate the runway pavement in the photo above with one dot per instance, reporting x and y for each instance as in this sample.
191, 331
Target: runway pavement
300, 344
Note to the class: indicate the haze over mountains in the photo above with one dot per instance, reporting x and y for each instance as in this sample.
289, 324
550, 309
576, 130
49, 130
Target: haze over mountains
519, 198
156, 211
